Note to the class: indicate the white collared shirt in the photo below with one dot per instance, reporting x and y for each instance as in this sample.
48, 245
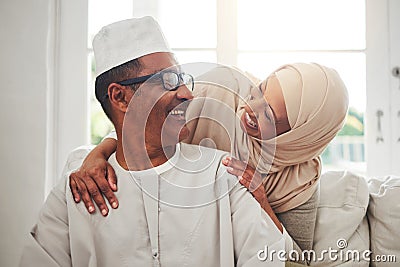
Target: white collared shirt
186, 212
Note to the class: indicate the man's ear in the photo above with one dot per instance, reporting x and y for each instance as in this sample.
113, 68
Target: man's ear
119, 96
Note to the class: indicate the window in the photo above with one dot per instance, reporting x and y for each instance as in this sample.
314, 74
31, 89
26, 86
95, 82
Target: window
258, 36
310, 31
101, 12
195, 40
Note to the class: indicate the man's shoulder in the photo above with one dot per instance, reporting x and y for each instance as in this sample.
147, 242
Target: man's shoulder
192, 151
75, 159
203, 161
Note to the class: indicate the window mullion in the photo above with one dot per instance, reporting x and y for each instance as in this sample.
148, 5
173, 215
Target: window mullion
227, 45
394, 61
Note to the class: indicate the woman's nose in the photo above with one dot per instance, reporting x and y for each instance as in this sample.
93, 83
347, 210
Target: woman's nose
258, 105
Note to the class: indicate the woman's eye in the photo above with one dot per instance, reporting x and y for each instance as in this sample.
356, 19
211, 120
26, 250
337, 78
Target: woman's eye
267, 115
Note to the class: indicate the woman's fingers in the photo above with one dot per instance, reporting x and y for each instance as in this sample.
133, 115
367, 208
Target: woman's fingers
111, 177
239, 168
103, 185
249, 178
95, 193
235, 172
234, 163
87, 188
74, 189
85, 196
247, 175
235, 167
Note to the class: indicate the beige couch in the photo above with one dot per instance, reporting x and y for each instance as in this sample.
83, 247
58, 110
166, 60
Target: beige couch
358, 221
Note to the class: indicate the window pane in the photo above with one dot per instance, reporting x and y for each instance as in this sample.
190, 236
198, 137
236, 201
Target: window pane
191, 56
301, 24
103, 12
100, 125
189, 23
350, 66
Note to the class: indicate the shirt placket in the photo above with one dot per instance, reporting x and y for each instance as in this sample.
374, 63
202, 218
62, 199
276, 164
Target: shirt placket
151, 201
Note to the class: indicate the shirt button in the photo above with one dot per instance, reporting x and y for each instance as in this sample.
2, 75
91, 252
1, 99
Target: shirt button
159, 209
155, 254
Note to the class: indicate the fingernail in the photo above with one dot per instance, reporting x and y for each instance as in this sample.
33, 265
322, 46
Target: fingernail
114, 205
228, 158
91, 208
104, 212
230, 169
114, 186
76, 199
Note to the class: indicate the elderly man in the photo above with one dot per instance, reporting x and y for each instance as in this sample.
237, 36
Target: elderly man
179, 206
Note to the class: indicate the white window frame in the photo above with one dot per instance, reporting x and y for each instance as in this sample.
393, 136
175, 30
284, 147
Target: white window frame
394, 61
383, 92
68, 102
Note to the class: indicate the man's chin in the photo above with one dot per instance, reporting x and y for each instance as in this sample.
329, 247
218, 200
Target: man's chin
173, 137
184, 133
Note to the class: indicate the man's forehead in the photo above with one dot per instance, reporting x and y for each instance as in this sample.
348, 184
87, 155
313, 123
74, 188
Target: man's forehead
157, 62
175, 68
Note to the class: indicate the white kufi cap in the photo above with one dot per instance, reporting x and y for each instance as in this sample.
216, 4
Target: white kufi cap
123, 41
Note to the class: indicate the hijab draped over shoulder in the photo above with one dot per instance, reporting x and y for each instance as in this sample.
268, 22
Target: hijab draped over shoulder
316, 103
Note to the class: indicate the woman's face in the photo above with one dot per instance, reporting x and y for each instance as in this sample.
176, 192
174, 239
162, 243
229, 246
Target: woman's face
265, 114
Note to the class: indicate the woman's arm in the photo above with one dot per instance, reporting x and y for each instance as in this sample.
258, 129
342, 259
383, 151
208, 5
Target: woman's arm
96, 178
252, 180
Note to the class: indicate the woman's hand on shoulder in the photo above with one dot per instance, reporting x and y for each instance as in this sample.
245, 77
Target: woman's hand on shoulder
248, 177
252, 180
94, 180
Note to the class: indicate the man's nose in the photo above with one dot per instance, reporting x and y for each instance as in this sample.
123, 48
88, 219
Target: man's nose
183, 93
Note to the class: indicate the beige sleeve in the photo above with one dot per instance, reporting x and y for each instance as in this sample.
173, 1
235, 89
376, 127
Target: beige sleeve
48, 242
254, 233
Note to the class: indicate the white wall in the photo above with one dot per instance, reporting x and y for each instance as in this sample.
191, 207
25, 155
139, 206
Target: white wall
36, 73
23, 120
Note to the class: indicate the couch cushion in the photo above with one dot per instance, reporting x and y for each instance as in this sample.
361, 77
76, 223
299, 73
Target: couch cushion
384, 219
341, 222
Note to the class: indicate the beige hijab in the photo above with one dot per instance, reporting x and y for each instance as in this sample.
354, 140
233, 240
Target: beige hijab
316, 102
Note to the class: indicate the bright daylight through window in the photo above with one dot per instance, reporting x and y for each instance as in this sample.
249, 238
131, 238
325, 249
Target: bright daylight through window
268, 35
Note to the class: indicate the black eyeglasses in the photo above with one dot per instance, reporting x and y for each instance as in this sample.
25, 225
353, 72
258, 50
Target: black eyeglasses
171, 80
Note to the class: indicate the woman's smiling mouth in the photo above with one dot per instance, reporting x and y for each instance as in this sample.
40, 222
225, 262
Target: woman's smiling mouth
249, 122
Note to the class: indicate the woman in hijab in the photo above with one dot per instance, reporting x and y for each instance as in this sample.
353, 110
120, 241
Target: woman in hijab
275, 131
